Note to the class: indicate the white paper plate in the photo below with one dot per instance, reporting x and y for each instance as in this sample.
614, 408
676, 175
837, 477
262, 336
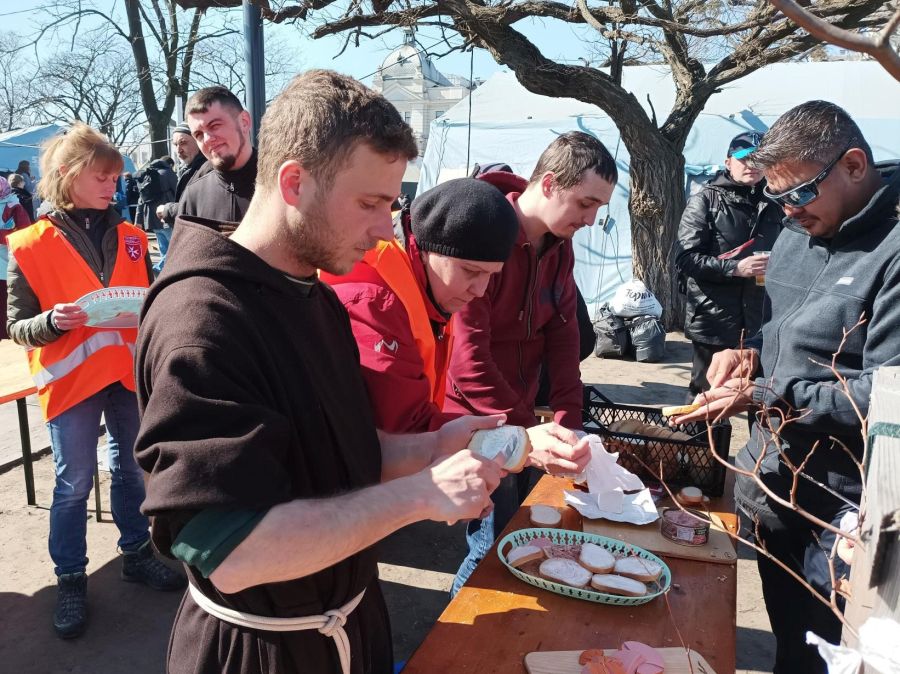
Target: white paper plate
115, 307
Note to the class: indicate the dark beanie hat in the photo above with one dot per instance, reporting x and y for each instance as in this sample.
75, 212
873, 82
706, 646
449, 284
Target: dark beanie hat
465, 218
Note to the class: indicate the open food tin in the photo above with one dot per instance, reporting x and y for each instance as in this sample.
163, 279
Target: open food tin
685, 527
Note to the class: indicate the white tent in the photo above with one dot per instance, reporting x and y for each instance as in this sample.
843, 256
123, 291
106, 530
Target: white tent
512, 125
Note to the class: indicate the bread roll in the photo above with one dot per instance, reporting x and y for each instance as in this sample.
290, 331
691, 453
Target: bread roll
565, 571
638, 568
523, 554
632, 426
620, 585
677, 410
510, 442
544, 516
596, 558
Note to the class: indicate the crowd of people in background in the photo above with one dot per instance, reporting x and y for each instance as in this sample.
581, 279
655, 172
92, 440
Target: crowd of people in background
343, 346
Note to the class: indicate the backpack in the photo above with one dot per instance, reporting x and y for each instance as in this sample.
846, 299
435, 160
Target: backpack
648, 337
149, 184
613, 338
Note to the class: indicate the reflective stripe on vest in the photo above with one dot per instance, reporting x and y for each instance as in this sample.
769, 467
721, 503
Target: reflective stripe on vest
392, 263
87, 348
85, 360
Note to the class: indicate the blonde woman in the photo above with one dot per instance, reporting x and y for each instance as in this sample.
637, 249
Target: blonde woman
79, 246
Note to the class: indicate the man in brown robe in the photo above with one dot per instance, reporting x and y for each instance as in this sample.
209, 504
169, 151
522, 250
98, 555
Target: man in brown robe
267, 477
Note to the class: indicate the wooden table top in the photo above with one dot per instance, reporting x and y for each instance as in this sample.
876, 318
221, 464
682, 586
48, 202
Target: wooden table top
15, 379
496, 619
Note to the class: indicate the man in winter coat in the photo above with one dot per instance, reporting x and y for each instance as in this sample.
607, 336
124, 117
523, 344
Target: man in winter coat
191, 160
527, 316
156, 184
222, 188
837, 259
724, 301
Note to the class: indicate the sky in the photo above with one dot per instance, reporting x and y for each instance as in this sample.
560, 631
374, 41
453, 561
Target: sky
556, 40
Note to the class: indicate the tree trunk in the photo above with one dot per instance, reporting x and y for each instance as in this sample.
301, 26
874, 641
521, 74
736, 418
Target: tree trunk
656, 203
158, 125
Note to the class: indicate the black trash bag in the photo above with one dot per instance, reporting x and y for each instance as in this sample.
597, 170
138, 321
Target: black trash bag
613, 340
648, 338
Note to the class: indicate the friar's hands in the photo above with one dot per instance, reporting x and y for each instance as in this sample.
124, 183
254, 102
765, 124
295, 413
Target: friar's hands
558, 450
456, 434
458, 487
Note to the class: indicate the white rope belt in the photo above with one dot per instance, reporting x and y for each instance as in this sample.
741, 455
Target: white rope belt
331, 623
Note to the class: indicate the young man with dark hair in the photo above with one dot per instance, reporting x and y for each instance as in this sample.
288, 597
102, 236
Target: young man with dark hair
527, 317
837, 259
222, 188
266, 475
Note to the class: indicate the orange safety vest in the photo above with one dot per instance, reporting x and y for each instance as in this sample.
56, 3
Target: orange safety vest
85, 360
392, 263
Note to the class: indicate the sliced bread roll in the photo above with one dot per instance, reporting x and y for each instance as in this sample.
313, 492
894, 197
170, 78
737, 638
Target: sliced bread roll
620, 585
509, 442
545, 516
638, 568
596, 558
677, 410
523, 554
565, 571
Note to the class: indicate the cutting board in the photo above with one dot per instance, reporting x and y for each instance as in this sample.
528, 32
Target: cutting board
719, 549
566, 662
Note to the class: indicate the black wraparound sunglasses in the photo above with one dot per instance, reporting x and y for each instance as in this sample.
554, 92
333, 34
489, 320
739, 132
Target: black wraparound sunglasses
805, 193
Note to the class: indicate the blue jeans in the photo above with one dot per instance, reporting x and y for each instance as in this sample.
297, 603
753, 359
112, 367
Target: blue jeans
73, 438
481, 534
163, 236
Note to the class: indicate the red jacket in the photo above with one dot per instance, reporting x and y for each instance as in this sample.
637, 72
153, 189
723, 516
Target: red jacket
526, 318
391, 364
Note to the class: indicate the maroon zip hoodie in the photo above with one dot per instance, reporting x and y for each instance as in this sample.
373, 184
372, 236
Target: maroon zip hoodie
526, 319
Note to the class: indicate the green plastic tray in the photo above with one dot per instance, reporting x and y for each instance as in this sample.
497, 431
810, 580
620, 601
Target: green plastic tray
566, 537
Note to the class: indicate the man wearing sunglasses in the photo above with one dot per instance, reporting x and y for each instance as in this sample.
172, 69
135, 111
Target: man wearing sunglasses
723, 227
838, 259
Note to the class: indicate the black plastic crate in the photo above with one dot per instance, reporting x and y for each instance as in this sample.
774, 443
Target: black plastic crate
684, 462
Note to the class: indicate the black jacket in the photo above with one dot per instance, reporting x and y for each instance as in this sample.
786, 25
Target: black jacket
26, 200
223, 196
146, 212
722, 216
185, 174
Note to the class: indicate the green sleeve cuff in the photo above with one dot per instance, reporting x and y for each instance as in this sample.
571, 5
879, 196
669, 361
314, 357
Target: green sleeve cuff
211, 535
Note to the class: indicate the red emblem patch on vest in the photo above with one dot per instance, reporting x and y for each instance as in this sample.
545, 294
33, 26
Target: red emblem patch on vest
134, 248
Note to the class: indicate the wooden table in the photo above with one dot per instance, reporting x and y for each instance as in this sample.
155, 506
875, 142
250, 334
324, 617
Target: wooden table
16, 384
496, 619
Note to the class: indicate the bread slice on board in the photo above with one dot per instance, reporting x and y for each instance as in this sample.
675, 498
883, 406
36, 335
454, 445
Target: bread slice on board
545, 516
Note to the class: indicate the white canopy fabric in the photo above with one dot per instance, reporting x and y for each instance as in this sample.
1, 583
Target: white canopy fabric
512, 125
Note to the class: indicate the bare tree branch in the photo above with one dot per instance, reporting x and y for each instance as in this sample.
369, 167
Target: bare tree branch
877, 46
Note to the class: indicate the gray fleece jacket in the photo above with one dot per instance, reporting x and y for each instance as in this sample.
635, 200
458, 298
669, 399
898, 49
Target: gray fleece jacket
817, 289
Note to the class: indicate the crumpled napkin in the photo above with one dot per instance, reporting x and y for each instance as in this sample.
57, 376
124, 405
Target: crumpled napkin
607, 483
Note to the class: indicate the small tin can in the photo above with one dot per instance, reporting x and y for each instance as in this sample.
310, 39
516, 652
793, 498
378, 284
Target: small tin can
684, 527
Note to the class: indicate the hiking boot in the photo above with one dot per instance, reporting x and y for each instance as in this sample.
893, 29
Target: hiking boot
142, 567
70, 616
